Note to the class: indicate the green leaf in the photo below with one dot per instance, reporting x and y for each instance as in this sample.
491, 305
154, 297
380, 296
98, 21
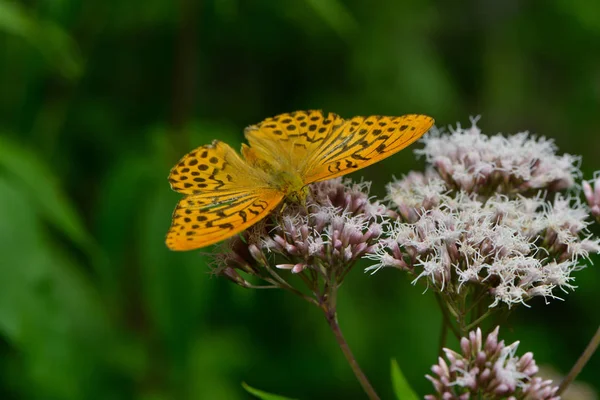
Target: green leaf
24, 167
50, 313
49, 38
263, 395
402, 388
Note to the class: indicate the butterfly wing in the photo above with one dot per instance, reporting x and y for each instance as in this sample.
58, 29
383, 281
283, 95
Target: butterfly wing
320, 147
197, 224
362, 141
287, 139
225, 196
214, 168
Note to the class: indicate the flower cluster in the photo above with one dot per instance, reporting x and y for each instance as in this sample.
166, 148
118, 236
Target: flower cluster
337, 226
455, 233
488, 370
519, 163
516, 248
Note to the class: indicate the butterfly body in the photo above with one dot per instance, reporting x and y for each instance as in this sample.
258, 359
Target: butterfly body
227, 193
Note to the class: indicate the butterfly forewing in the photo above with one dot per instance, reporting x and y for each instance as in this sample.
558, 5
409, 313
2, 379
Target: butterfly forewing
362, 141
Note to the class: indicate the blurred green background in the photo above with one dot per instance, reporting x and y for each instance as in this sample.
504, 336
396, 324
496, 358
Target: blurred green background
99, 99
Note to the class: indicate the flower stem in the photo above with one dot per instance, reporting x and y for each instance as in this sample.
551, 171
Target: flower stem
331, 316
446, 316
443, 336
583, 359
481, 318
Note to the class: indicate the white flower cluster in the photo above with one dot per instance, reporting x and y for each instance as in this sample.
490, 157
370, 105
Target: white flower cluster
468, 160
518, 248
475, 218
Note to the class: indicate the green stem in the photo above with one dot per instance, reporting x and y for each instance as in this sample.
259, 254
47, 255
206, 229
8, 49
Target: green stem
583, 359
481, 318
331, 317
446, 317
443, 336
281, 283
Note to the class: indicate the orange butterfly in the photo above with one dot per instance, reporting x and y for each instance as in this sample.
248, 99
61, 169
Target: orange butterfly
227, 193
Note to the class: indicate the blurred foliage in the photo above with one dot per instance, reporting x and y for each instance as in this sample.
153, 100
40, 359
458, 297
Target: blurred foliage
100, 98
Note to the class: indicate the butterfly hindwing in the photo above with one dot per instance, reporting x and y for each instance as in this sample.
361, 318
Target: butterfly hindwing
362, 141
213, 168
196, 224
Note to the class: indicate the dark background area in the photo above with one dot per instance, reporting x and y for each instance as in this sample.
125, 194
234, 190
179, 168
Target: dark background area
99, 99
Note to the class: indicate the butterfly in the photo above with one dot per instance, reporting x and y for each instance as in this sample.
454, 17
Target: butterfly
226, 193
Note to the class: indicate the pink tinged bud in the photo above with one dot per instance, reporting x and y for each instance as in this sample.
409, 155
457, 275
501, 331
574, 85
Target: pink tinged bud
355, 236
436, 369
448, 396
481, 358
502, 389
375, 230
452, 356
464, 396
298, 268
491, 343
304, 231
280, 241
436, 383
348, 255
475, 341
485, 171
444, 367
472, 158
485, 375
290, 248
360, 249
405, 211
459, 364
526, 360
444, 166
257, 254
452, 251
233, 276
465, 346
588, 192
360, 202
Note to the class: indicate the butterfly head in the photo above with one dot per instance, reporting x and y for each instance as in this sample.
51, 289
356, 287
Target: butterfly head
299, 196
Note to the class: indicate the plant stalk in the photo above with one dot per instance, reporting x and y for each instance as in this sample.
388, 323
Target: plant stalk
583, 359
331, 316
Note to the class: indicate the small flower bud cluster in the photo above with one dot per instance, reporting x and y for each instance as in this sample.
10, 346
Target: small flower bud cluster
337, 225
489, 370
475, 163
592, 195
